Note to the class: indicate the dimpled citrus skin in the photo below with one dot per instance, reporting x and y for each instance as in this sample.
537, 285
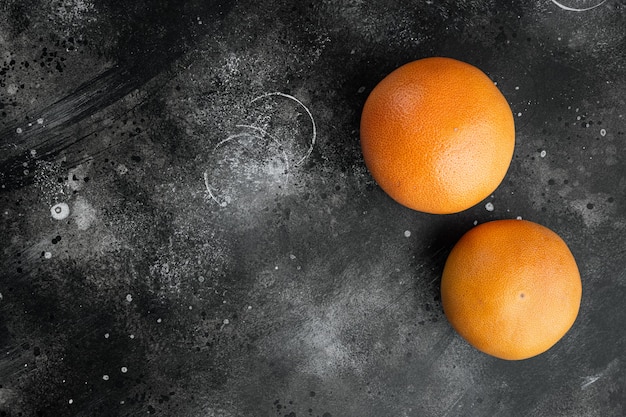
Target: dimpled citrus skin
511, 288
437, 135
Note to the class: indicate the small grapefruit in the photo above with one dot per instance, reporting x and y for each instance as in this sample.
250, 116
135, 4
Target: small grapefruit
511, 288
437, 135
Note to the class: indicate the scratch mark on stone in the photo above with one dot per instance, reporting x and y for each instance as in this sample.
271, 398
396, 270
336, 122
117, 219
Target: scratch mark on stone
609, 369
590, 380
453, 405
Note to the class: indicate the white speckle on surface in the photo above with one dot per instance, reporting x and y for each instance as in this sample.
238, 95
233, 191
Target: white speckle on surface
475, 222
129, 298
18, 130
121, 169
40, 121
70, 401
105, 377
543, 154
60, 211
132, 336
47, 255
519, 217
489, 206
124, 369
519, 114
407, 233
159, 320
226, 321
106, 335
603, 132
517, 87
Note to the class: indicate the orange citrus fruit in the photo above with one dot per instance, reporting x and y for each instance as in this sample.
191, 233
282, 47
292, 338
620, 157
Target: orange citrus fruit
511, 288
437, 135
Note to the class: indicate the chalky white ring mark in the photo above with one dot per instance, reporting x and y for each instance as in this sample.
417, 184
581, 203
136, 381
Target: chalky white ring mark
264, 132
207, 182
308, 112
572, 9
211, 195
231, 137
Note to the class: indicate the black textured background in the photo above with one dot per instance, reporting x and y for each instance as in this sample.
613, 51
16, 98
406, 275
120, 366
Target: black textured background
221, 260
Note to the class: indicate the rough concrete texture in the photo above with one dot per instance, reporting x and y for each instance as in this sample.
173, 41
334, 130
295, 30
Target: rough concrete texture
179, 242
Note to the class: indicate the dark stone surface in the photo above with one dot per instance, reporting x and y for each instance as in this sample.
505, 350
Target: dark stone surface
209, 268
